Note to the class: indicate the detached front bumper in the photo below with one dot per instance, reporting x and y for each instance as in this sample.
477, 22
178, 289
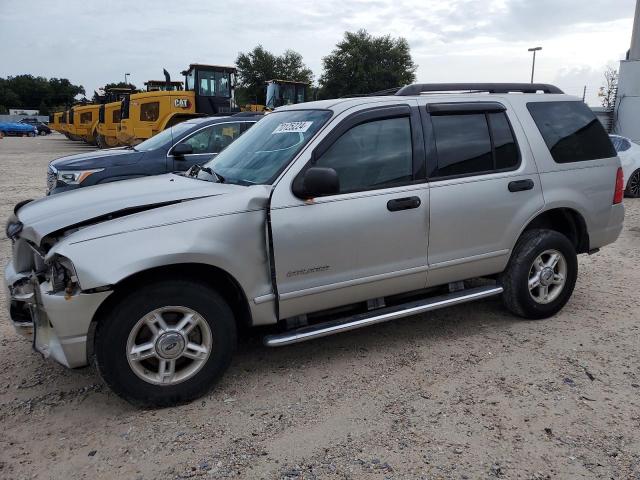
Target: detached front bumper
56, 325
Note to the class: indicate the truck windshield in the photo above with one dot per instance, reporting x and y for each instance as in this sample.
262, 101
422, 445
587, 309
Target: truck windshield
259, 155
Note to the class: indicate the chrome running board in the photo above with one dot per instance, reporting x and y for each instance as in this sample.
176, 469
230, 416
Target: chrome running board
380, 315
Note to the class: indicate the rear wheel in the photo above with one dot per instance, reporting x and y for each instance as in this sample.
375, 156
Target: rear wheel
541, 274
633, 185
166, 344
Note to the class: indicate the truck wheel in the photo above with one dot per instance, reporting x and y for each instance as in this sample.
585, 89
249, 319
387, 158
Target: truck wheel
633, 185
166, 343
541, 274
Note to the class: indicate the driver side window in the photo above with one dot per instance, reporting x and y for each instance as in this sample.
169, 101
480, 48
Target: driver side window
213, 139
200, 141
376, 154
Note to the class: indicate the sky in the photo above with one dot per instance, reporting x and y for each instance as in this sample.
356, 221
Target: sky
92, 43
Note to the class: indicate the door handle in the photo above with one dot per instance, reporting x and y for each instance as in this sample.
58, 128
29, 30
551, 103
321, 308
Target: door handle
521, 185
407, 203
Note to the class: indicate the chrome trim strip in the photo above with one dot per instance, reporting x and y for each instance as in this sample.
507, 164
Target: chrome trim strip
351, 283
473, 258
270, 297
372, 318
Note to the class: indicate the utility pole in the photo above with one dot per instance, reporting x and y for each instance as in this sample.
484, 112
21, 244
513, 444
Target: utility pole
533, 66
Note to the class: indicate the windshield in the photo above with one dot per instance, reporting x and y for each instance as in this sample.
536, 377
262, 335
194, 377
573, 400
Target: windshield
259, 155
170, 134
214, 84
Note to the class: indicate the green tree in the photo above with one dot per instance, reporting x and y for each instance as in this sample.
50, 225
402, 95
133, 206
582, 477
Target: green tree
121, 85
362, 63
260, 65
43, 108
27, 91
97, 98
609, 91
63, 92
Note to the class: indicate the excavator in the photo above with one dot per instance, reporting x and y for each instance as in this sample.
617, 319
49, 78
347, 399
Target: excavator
208, 91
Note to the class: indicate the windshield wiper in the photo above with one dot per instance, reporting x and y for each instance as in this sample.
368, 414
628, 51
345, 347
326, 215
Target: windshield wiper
130, 147
195, 169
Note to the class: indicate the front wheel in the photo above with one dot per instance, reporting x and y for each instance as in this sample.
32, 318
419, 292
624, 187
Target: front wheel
541, 274
633, 185
165, 344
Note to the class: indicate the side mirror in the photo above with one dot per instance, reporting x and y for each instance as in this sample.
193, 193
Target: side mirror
182, 149
316, 182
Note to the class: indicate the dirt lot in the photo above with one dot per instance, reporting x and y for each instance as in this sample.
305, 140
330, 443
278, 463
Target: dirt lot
470, 392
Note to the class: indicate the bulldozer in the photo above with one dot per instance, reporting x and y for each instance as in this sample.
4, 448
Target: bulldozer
109, 116
279, 93
208, 91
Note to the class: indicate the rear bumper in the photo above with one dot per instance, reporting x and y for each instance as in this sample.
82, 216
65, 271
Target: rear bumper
56, 325
611, 231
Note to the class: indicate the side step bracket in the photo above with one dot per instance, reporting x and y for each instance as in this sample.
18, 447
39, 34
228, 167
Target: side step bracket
380, 315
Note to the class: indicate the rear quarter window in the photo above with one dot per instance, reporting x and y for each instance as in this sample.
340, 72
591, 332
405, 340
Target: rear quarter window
571, 131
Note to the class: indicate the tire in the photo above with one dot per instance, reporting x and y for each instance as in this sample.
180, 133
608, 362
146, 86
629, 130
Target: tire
532, 303
140, 381
633, 185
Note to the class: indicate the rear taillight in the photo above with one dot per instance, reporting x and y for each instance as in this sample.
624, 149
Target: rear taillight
619, 193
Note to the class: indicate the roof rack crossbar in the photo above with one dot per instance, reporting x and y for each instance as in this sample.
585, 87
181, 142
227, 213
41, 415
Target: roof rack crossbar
418, 88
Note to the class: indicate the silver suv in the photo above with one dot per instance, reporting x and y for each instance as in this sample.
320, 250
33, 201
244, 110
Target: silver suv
324, 217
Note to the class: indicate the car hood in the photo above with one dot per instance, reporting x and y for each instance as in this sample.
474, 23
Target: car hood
105, 202
98, 159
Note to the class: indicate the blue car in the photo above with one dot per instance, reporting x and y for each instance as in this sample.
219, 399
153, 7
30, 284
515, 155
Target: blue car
18, 129
177, 149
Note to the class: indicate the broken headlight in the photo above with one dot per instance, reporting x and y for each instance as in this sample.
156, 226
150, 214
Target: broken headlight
61, 275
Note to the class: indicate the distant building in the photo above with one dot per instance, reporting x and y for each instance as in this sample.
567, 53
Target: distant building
22, 111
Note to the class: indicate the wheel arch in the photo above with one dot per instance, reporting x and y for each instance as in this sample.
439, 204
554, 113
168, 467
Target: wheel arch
215, 277
567, 221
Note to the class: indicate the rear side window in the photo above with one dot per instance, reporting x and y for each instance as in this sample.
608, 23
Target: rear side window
571, 131
470, 144
85, 117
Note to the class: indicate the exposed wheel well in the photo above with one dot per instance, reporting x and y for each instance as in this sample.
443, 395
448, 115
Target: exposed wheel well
215, 277
566, 221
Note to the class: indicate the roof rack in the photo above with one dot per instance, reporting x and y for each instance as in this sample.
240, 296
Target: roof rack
418, 88
379, 93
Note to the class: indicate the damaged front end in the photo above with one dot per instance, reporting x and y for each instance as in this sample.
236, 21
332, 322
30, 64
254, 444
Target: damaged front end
47, 305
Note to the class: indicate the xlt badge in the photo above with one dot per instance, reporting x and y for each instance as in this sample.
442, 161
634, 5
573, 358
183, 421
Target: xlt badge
307, 271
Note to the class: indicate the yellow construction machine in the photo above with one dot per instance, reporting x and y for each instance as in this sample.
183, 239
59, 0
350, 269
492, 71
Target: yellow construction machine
54, 121
208, 91
109, 116
279, 93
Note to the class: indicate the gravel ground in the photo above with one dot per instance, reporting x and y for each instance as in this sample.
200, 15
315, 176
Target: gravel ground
468, 392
